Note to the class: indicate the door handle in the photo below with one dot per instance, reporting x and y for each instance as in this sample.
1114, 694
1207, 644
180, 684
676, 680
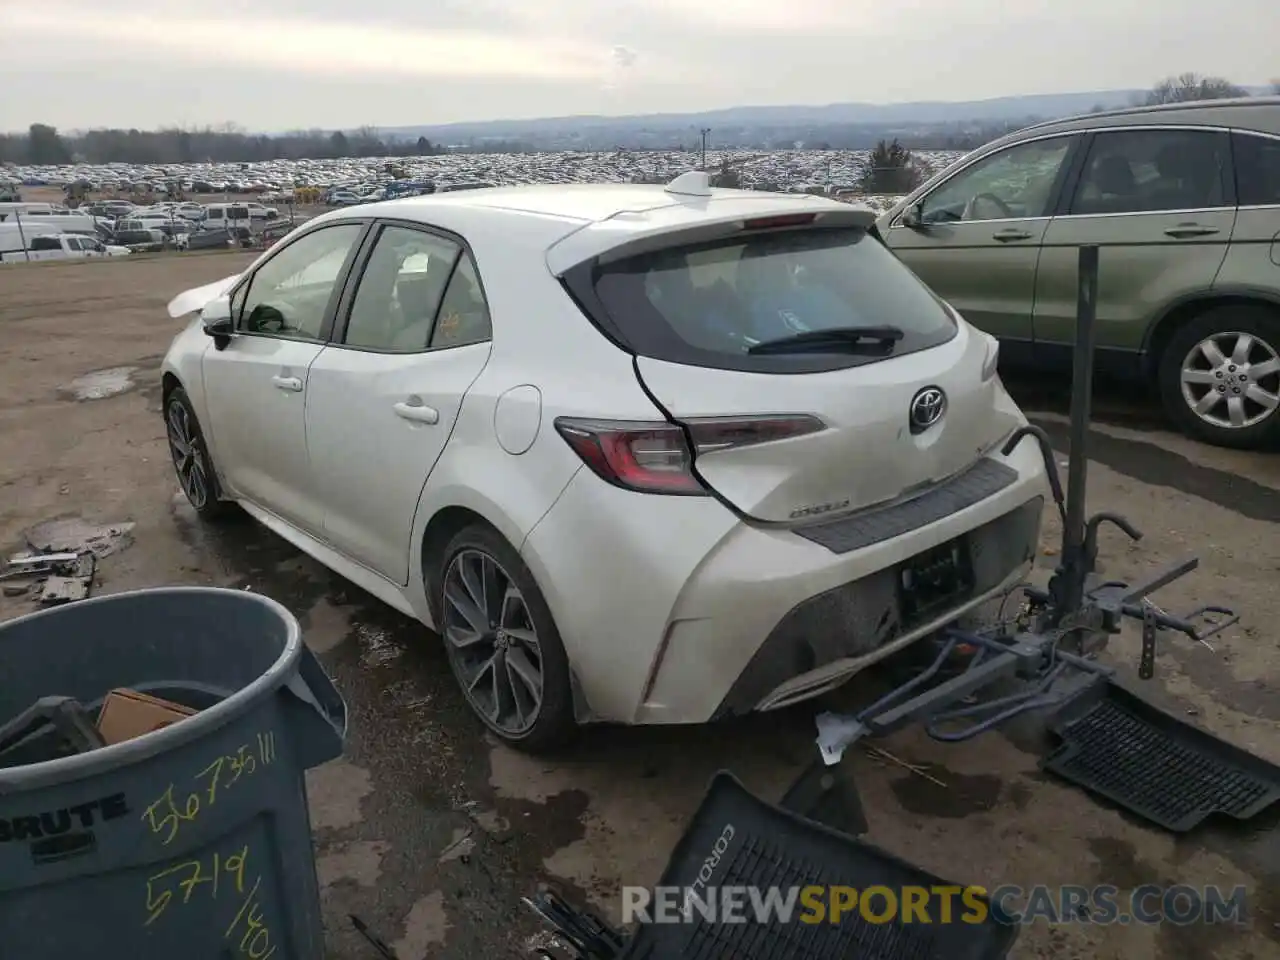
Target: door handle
1184, 230
1004, 236
292, 384
417, 412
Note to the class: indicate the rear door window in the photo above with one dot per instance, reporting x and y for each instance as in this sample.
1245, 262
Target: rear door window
400, 291
709, 304
1257, 170
464, 314
1153, 171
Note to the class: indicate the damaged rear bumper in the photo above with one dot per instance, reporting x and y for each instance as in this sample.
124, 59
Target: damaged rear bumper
826, 639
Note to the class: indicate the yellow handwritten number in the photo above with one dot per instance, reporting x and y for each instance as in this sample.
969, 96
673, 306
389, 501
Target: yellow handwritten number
173, 817
156, 901
241, 764
215, 769
235, 865
256, 941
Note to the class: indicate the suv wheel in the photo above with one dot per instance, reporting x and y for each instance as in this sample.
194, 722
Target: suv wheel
1220, 376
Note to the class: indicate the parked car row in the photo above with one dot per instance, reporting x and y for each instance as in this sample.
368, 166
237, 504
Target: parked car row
798, 170
123, 224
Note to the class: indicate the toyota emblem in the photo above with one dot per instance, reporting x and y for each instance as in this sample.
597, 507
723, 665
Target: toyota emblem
927, 408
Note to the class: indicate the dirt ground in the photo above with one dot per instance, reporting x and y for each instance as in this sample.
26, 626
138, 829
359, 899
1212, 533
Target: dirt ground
431, 834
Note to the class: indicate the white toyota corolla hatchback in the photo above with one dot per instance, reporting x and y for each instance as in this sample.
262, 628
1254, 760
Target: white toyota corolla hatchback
638, 454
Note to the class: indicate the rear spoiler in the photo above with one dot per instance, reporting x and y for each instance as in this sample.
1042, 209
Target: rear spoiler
621, 236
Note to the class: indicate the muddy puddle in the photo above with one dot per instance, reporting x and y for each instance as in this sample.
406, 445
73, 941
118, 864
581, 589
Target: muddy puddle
101, 384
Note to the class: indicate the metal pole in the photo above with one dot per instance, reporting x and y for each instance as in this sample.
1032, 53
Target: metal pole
705, 131
1081, 404
22, 236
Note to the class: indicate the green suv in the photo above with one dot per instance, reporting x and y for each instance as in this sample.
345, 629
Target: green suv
1185, 203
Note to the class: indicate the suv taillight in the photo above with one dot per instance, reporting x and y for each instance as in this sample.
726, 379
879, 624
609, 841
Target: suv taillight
654, 457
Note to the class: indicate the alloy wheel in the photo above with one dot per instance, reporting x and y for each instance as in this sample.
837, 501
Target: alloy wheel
490, 636
1231, 380
188, 459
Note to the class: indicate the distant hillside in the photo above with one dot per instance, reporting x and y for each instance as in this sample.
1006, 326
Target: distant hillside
758, 126
923, 112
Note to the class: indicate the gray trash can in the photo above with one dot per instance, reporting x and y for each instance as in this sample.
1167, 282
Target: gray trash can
193, 841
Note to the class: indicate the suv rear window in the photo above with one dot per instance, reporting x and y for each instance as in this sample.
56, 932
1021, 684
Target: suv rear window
706, 305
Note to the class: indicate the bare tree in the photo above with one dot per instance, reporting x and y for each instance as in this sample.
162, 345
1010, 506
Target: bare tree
1186, 87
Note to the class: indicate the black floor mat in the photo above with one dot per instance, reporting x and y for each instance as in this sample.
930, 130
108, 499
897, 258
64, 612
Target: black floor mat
1118, 746
766, 847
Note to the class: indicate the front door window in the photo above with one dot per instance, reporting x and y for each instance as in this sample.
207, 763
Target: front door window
1015, 183
289, 295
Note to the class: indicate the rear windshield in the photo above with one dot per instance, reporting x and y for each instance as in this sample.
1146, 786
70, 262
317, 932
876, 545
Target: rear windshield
707, 305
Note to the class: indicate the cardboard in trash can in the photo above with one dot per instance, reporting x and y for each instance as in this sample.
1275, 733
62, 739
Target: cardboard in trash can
127, 714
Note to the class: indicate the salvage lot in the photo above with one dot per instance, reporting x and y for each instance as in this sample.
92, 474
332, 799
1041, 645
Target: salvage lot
431, 836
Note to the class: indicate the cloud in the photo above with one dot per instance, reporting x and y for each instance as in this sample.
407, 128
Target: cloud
268, 64
324, 47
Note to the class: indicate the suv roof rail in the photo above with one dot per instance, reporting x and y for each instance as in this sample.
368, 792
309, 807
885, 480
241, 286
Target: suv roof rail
1140, 108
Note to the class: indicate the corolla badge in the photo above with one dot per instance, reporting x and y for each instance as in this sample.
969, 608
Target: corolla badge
927, 408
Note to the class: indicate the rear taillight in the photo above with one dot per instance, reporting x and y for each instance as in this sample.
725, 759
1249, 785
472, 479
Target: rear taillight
648, 457
655, 457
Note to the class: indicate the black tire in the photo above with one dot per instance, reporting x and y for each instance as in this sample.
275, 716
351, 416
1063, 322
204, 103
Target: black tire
554, 724
197, 462
1260, 322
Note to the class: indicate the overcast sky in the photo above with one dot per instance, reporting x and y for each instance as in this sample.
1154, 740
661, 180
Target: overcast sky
292, 64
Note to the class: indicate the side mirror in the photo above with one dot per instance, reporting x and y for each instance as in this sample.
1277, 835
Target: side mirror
217, 322
913, 216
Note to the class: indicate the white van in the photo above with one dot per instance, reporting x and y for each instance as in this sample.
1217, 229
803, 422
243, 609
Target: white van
48, 218
69, 222
219, 216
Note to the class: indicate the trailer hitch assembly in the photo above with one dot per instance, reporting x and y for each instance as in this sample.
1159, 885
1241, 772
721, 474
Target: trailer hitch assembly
1050, 651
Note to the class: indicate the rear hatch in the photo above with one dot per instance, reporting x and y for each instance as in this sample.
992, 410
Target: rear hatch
814, 374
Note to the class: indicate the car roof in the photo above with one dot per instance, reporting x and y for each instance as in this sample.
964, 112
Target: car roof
578, 222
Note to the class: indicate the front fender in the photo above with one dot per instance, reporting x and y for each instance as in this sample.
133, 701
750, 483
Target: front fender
184, 362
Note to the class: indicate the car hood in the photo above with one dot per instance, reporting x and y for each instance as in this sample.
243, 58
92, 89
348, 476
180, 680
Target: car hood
195, 299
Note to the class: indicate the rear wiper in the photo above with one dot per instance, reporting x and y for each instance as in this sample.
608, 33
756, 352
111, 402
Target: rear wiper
833, 338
